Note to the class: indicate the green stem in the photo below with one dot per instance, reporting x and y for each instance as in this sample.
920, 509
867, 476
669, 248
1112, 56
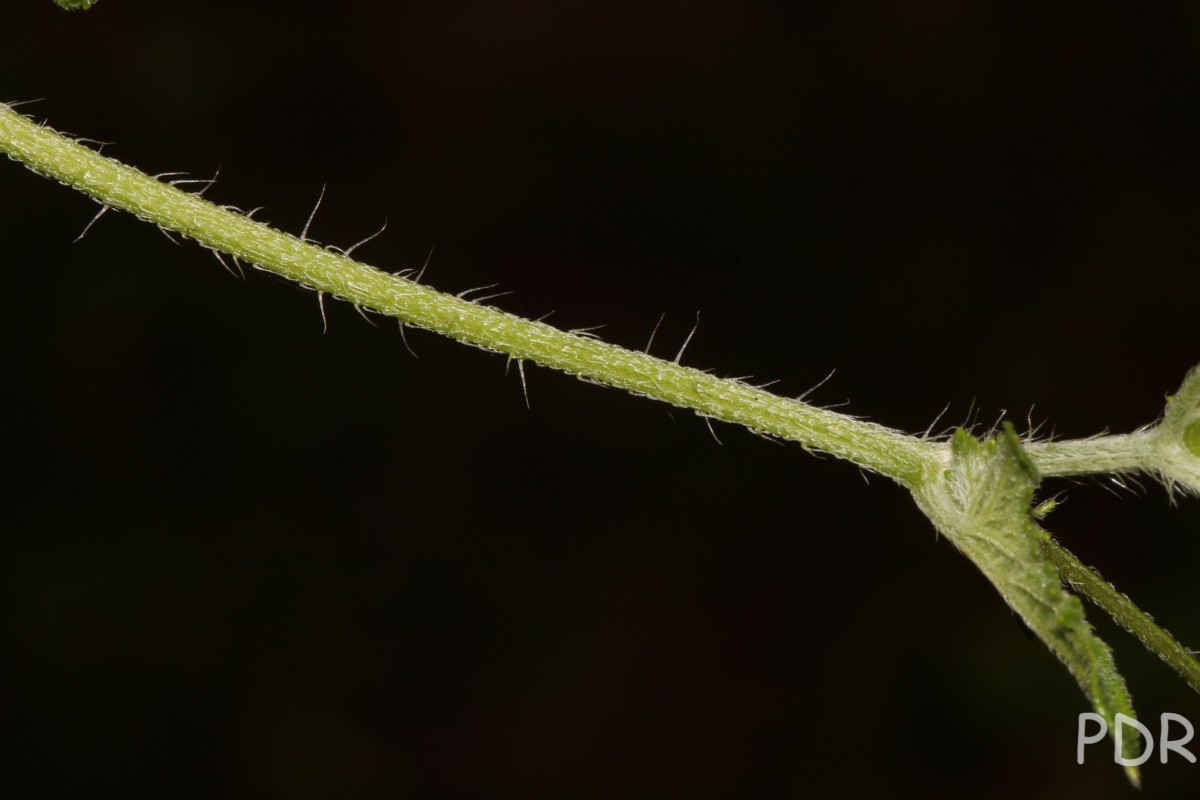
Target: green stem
1121, 453
903, 458
1085, 581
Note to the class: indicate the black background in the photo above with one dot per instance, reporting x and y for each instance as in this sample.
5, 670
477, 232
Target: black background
244, 559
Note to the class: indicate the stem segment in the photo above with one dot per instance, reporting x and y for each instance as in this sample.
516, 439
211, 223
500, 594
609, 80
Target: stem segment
901, 457
1157, 640
1120, 453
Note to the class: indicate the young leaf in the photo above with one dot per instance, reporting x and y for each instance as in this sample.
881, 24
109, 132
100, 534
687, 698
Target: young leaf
981, 503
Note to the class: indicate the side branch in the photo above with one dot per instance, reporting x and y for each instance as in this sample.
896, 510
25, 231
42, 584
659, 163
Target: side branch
1157, 640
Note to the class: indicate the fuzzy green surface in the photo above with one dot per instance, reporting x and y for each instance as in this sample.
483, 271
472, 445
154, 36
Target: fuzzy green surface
978, 494
1191, 438
981, 503
1177, 437
118, 186
1156, 639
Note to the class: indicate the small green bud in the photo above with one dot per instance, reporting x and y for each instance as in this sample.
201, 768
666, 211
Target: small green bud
75, 5
1178, 437
1191, 438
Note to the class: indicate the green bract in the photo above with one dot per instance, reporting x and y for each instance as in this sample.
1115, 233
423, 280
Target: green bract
982, 505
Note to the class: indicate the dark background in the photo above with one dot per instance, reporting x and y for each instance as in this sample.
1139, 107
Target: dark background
244, 559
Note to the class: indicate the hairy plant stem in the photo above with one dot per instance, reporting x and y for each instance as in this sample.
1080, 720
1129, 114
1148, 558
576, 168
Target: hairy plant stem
977, 493
1088, 583
1114, 454
117, 186
907, 459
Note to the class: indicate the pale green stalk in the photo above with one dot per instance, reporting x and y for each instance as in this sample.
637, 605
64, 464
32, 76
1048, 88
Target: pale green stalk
1169, 450
1115, 454
1156, 639
121, 187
